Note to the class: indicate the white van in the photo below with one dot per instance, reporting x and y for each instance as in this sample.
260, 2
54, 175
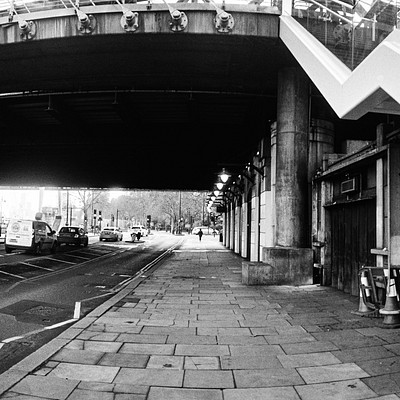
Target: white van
30, 235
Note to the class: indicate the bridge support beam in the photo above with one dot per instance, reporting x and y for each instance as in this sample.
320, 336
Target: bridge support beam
292, 256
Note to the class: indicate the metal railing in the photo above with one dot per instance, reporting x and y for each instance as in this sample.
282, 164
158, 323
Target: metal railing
350, 31
8, 7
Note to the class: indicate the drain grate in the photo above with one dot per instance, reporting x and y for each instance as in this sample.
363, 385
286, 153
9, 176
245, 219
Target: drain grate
43, 310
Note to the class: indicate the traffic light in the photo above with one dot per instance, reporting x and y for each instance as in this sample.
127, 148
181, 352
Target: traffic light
212, 217
148, 221
94, 212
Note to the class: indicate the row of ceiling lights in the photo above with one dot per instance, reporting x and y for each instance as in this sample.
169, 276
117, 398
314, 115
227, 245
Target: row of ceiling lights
222, 188
223, 179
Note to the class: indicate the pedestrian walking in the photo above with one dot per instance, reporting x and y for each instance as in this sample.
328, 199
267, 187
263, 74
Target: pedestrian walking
200, 234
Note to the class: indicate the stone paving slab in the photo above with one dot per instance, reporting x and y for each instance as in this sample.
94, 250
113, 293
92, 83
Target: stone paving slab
157, 393
384, 384
192, 330
348, 389
166, 362
97, 336
94, 345
96, 373
78, 356
137, 338
308, 347
150, 377
265, 350
208, 379
9, 378
308, 360
250, 362
124, 360
330, 373
208, 363
369, 353
16, 396
381, 366
281, 393
52, 388
144, 348
201, 350
258, 378
241, 340
192, 339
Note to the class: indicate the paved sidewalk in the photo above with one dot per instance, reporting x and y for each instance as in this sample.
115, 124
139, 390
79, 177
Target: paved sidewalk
192, 330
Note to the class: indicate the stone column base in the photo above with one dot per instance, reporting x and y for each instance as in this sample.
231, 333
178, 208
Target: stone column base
280, 266
257, 273
290, 265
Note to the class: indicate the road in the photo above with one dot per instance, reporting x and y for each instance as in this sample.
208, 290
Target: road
42, 291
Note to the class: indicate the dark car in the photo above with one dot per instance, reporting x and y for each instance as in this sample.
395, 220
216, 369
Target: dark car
72, 235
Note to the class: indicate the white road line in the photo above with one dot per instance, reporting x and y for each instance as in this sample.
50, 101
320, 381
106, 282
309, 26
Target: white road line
35, 266
63, 261
83, 258
15, 276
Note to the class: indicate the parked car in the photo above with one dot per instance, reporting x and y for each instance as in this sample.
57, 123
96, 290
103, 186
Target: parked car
111, 233
139, 228
30, 235
137, 232
73, 235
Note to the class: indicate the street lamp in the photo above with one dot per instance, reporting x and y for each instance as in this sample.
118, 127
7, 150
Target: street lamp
224, 176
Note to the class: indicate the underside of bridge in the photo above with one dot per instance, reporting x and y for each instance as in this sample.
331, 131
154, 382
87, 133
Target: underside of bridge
155, 111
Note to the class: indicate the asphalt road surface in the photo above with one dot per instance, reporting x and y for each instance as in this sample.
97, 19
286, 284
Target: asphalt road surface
42, 291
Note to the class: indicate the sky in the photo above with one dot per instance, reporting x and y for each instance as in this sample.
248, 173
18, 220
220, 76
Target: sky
25, 202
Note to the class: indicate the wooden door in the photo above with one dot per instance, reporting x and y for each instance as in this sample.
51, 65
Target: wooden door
353, 237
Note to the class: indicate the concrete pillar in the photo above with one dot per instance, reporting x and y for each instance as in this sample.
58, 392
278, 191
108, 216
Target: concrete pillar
255, 248
292, 257
232, 227
225, 226
237, 228
273, 181
245, 236
291, 159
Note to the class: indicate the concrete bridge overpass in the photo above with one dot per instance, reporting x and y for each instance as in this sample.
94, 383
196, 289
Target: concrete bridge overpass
150, 106
146, 109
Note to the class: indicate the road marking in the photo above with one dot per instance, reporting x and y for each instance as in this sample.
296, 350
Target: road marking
63, 261
15, 276
87, 258
58, 272
199, 250
35, 266
83, 258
